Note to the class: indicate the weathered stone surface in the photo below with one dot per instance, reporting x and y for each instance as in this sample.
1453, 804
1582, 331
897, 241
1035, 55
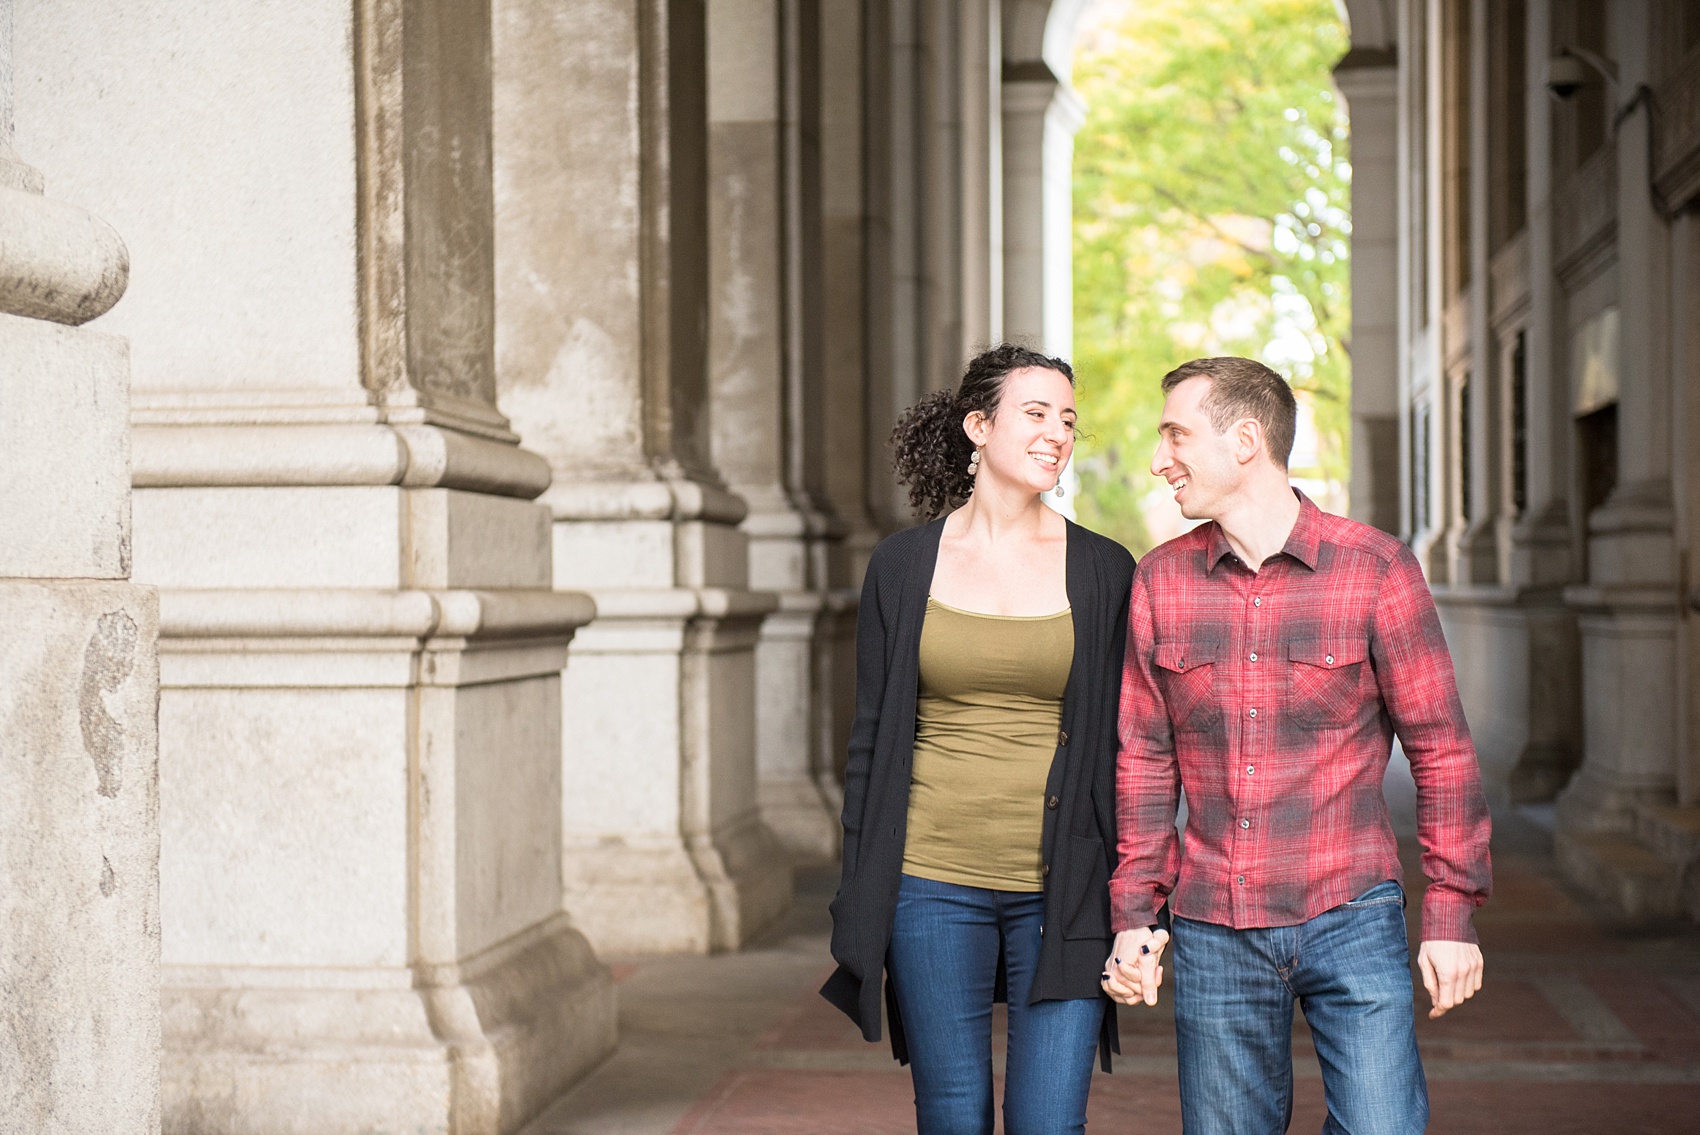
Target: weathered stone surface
602, 293
64, 452
79, 848
56, 261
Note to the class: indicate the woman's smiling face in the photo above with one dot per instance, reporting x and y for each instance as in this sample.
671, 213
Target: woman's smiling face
1031, 437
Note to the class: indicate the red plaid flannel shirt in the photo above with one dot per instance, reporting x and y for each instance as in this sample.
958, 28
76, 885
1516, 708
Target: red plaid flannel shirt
1273, 698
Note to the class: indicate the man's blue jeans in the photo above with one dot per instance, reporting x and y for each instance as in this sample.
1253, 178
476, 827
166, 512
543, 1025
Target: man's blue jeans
1350, 970
944, 960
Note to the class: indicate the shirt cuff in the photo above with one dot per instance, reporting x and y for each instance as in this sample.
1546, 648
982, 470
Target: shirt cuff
1447, 917
1132, 911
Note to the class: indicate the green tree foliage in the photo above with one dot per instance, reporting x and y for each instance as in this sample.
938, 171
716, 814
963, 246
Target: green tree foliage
1212, 198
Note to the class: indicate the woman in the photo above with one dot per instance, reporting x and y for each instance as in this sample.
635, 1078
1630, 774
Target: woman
979, 811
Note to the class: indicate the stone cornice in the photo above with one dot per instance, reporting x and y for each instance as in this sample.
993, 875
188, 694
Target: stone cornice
415, 456
670, 498
354, 613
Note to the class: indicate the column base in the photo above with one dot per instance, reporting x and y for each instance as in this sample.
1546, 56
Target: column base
689, 896
665, 850
1628, 697
794, 723
476, 1049
1541, 772
1516, 656
360, 863
802, 817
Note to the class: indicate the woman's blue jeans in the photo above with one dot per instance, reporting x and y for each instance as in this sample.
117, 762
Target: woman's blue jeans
1350, 970
944, 960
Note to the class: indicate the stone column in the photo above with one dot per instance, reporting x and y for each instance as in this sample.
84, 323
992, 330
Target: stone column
1628, 609
1041, 115
979, 80
1476, 555
899, 301
361, 651
602, 266
1368, 80
765, 350
1542, 539
79, 806
1685, 389
1426, 377
844, 380
1540, 689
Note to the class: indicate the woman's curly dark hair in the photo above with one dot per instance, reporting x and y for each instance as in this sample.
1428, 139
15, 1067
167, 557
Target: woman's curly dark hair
930, 451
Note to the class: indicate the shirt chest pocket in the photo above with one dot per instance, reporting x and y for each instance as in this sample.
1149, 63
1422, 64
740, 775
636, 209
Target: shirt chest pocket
1187, 674
1325, 678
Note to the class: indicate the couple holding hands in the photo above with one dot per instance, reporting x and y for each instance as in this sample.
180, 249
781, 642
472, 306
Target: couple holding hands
1029, 707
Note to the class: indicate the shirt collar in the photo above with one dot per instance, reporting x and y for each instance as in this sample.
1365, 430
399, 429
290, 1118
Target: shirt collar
1303, 544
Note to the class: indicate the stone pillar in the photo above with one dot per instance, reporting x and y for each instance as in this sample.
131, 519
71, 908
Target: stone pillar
361, 870
1542, 539
1685, 388
899, 303
1426, 389
844, 325
1368, 80
1476, 553
766, 358
1545, 692
979, 80
602, 286
1628, 609
1041, 115
79, 806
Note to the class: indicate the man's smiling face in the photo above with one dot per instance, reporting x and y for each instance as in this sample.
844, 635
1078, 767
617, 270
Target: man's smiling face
1196, 461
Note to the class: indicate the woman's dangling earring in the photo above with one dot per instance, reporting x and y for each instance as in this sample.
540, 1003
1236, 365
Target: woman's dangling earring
1061, 493
974, 463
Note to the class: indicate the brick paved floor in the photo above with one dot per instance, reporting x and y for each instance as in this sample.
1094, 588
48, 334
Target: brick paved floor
1584, 1026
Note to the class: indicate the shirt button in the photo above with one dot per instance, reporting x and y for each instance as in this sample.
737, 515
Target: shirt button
1257, 602
1254, 713
1249, 769
1052, 803
1329, 660
1240, 880
1245, 823
1254, 656
1044, 870
1062, 737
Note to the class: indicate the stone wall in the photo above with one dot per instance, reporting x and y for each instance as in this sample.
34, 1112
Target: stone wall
79, 786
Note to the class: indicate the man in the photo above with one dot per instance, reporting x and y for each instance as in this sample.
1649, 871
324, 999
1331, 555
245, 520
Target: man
1273, 655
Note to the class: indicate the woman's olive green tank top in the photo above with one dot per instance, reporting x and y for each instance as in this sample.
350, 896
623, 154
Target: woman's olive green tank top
986, 726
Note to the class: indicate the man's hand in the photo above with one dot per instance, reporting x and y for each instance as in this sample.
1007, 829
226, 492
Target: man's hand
1452, 972
1131, 972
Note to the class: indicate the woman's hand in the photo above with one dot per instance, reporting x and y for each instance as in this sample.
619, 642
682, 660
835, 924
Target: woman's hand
1131, 972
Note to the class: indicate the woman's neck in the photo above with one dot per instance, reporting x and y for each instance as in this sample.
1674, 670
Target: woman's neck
997, 512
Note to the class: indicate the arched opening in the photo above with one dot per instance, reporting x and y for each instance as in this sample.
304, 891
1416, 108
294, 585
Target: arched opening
1211, 217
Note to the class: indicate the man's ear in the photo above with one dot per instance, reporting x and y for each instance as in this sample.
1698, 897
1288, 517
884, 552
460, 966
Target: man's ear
1248, 440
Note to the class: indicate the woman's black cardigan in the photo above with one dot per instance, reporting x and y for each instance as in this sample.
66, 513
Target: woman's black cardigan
1079, 841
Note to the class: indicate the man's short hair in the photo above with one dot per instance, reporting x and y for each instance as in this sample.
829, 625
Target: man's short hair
1245, 388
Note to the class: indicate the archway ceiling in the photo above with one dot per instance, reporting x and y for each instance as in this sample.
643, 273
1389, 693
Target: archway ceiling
1044, 29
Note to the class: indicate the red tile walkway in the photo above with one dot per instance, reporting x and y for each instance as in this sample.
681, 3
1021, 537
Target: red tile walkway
1584, 1026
